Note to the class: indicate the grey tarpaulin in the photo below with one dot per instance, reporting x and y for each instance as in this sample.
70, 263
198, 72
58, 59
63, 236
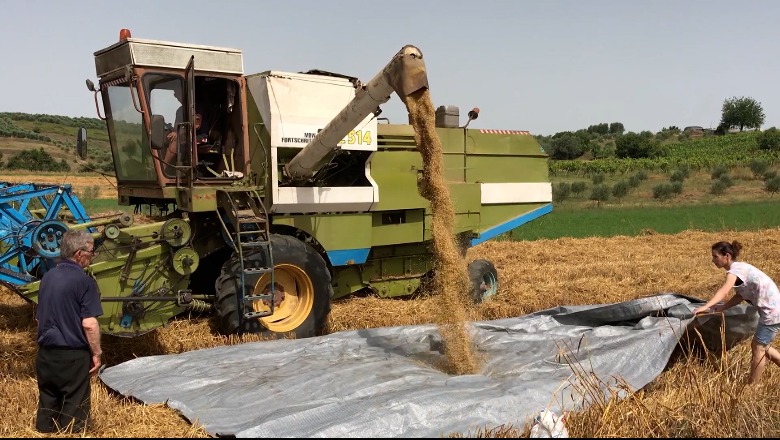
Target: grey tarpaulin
384, 382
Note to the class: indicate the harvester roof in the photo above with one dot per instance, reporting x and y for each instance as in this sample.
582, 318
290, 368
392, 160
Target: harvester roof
167, 54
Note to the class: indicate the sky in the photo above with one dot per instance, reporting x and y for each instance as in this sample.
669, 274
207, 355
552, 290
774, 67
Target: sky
544, 66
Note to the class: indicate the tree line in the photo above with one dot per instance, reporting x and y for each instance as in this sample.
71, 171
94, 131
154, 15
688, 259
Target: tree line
609, 140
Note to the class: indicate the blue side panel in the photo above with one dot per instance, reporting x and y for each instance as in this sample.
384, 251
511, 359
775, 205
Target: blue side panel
511, 224
348, 256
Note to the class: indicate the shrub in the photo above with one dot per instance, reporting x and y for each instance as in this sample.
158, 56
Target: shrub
719, 171
561, 191
718, 187
772, 185
36, 160
769, 139
597, 178
758, 167
677, 176
600, 193
662, 191
578, 187
726, 180
620, 189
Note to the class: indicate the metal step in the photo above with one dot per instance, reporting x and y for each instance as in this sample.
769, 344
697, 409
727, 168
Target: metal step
255, 315
255, 244
250, 233
257, 270
265, 297
251, 220
249, 216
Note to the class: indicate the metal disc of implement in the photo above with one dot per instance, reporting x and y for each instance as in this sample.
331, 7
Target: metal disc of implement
185, 261
176, 232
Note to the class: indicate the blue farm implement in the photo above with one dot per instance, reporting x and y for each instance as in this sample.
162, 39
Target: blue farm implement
33, 218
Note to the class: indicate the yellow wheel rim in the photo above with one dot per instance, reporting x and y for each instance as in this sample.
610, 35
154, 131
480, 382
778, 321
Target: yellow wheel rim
293, 298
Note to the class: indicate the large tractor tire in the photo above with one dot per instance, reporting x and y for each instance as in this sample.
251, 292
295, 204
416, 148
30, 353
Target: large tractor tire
302, 285
484, 280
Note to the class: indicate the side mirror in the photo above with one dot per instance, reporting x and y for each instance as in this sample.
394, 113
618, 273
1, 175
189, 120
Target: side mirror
81, 143
158, 132
473, 114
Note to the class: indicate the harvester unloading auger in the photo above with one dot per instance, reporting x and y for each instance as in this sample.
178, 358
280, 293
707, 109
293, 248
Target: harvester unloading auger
404, 74
287, 195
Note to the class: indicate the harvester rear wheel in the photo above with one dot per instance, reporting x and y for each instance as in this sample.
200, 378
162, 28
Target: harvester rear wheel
484, 280
301, 282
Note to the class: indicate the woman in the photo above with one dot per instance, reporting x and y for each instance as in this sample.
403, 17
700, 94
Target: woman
754, 286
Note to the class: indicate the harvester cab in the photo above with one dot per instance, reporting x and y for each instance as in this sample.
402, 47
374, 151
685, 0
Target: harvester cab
277, 192
161, 136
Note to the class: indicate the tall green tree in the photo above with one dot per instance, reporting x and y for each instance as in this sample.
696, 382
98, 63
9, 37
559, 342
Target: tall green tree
742, 112
637, 146
565, 147
616, 128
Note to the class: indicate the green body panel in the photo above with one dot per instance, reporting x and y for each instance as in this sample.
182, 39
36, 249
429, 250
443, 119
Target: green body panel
197, 199
390, 271
395, 173
147, 272
333, 232
385, 233
454, 167
452, 145
150, 267
496, 169
502, 144
465, 199
492, 158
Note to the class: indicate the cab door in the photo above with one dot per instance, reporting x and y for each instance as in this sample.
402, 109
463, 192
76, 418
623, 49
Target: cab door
185, 130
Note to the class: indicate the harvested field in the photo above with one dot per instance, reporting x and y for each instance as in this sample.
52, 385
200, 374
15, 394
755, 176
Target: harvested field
693, 398
105, 186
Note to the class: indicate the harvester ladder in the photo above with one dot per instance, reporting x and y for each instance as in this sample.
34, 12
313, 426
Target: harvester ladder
251, 233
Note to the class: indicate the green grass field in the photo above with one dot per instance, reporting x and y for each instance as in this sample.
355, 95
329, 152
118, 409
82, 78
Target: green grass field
102, 205
632, 221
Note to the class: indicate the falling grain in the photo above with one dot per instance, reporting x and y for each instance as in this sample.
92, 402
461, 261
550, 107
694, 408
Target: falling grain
450, 276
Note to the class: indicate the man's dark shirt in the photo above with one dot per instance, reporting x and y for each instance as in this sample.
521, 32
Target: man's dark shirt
66, 296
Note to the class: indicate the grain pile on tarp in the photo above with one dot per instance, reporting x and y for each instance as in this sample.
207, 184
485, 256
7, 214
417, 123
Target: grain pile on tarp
380, 382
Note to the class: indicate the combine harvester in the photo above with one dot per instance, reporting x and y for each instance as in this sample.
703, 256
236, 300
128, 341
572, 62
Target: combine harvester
281, 192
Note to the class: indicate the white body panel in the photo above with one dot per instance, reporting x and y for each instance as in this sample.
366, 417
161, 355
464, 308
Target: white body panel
295, 107
497, 193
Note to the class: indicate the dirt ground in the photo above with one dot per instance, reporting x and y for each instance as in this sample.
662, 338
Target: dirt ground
533, 276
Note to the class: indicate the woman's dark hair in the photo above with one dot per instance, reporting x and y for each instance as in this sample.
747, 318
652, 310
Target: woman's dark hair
724, 247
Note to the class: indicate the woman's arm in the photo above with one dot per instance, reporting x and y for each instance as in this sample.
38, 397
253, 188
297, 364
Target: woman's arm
733, 301
719, 295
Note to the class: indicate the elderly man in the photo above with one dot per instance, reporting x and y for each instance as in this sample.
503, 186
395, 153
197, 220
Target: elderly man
68, 337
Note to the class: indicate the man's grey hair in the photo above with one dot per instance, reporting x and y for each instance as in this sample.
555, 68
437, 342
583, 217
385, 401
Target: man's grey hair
72, 241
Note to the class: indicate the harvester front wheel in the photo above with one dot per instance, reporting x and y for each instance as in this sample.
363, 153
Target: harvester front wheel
302, 289
484, 280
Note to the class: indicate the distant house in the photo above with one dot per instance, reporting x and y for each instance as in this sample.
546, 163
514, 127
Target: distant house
737, 130
694, 131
